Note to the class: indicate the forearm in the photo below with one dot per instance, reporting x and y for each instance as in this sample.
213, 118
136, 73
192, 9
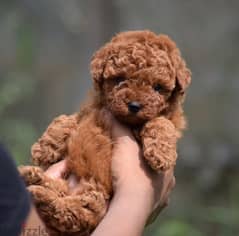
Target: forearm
126, 216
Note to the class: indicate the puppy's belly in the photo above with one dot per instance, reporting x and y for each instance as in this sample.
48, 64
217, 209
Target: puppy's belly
90, 151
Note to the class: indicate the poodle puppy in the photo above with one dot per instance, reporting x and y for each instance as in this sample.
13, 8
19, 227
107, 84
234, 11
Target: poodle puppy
139, 77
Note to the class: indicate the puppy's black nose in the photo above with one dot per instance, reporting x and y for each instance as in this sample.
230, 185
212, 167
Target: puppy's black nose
134, 107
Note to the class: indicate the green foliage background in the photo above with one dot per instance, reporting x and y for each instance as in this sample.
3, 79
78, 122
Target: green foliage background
17, 87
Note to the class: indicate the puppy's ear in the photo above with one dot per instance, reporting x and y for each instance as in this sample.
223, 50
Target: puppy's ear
97, 66
183, 74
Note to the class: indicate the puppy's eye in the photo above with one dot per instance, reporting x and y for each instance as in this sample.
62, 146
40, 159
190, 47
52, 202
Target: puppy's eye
158, 88
119, 79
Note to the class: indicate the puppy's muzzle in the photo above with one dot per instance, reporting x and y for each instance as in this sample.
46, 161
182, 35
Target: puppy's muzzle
134, 107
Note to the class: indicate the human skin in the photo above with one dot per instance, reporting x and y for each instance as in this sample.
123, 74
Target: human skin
139, 192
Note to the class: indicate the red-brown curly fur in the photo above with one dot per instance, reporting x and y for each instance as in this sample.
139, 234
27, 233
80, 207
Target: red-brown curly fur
136, 67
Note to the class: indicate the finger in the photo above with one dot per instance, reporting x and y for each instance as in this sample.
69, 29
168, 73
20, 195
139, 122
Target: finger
166, 195
169, 188
173, 182
170, 172
164, 178
57, 170
156, 212
167, 181
163, 203
171, 185
165, 174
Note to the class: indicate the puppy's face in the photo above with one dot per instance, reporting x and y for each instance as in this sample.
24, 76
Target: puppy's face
141, 95
138, 76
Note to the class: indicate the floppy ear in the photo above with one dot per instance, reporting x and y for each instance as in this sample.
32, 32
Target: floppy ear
183, 74
97, 66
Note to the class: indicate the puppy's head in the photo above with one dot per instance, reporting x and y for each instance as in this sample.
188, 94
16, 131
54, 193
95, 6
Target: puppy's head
139, 75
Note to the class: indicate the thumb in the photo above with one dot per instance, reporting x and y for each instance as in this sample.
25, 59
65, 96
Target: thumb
57, 170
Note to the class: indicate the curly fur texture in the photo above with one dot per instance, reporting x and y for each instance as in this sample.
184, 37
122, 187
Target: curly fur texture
139, 77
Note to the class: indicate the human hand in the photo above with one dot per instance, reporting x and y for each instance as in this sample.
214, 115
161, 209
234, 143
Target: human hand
138, 190
58, 170
132, 176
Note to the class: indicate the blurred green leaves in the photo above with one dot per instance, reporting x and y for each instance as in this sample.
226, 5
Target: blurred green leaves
18, 85
177, 228
14, 88
25, 45
19, 133
222, 215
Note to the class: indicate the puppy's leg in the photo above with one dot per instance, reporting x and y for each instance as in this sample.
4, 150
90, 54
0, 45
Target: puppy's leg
159, 138
79, 212
33, 175
52, 146
45, 201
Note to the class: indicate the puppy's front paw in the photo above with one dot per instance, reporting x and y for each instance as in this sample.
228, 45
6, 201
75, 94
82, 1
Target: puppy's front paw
159, 138
31, 174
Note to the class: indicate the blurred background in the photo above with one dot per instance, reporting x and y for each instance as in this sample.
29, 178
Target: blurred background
45, 50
